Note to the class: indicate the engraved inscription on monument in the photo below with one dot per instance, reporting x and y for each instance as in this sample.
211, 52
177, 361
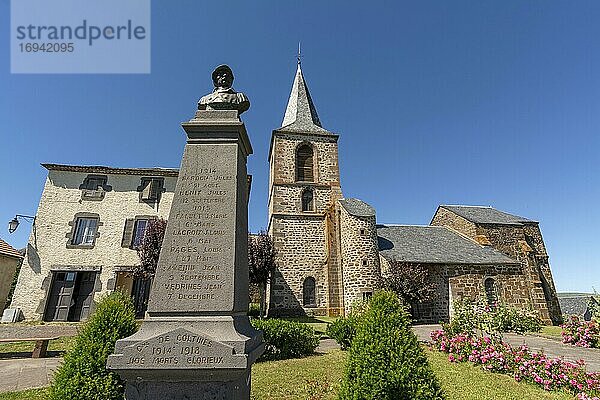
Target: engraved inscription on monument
198, 251
181, 348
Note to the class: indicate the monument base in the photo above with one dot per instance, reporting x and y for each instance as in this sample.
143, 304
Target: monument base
227, 387
188, 358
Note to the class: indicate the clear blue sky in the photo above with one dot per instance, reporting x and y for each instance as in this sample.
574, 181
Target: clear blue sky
462, 102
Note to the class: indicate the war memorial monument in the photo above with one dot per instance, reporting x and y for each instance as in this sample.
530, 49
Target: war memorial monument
196, 341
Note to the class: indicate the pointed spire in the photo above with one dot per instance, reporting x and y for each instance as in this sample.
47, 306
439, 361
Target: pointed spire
301, 114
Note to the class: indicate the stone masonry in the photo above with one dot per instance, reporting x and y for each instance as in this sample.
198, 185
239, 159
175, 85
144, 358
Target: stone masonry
360, 255
520, 239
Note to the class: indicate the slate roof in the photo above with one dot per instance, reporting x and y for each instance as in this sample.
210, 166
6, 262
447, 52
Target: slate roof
357, 207
576, 305
300, 113
487, 215
434, 245
7, 250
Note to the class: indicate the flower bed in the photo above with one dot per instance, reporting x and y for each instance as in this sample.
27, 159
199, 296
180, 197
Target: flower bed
521, 363
580, 333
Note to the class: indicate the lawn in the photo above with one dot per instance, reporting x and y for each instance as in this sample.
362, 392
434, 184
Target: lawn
318, 378
59, 345
550, 332
318, 323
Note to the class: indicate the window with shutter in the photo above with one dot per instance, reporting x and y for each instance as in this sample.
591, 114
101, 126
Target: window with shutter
128, 232
94, 187
150, 189
304, 163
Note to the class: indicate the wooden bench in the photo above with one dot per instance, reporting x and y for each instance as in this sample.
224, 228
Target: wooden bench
41, 344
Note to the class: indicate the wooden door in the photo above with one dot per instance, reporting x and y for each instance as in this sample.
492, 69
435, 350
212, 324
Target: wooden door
61, 296
141, 293
83, 295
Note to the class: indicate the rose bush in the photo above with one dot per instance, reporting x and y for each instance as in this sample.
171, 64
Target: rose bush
521, 363
581, 333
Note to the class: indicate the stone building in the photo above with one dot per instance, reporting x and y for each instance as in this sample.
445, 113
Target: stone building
331, 253
82, 242
10, 259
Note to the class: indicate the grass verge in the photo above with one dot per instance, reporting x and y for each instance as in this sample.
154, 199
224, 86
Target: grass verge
59, 345
550, 332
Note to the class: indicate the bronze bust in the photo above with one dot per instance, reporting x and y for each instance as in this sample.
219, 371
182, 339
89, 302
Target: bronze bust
223, 97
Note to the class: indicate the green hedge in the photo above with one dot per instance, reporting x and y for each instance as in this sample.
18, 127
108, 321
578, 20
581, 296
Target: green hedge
343, 330
385, 360
83, 374
286, 339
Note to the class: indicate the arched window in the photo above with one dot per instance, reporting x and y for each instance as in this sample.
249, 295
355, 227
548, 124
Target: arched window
304, 163
309, 295
307, 200
491, 292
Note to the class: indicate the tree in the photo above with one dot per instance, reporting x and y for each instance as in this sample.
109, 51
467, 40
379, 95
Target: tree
261, 263
149, 249
411, 282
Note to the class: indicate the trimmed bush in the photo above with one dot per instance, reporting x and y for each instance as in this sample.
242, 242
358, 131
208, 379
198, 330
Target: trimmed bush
385, 360
83, 374
343, 330
286, 339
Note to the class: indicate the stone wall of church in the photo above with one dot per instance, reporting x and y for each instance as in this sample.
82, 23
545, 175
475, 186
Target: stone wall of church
461, 282
288, 198
534, 237
528, 248
360, 257
301, 253
49, 250
325, 157
523, 243
300, 238
444, 217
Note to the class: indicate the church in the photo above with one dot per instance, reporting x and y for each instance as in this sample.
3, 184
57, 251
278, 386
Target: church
332, 253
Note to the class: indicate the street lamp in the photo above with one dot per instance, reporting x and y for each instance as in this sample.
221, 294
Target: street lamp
14, 223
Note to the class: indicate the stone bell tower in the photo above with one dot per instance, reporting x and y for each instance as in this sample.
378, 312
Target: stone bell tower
304, 187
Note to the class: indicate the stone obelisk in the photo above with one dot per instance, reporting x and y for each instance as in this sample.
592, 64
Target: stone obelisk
196, 341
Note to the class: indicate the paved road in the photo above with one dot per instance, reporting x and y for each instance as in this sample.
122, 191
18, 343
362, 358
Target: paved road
551, 347
22, 374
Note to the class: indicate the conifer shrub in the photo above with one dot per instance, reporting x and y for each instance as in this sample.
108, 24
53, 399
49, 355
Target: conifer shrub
83, 374
286, 339
385, 360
